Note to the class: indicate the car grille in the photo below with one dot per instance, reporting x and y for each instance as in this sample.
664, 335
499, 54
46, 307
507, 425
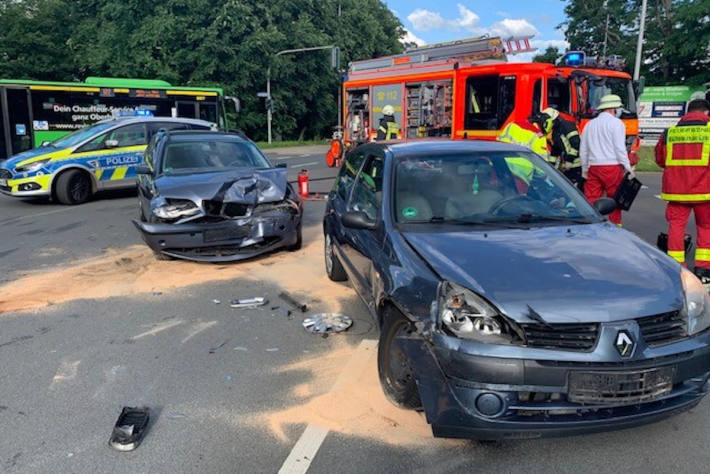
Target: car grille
575, 337
5, 174
620, 387
663, 328
225, 209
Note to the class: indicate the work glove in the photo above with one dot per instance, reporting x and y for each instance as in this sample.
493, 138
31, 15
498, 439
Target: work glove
632, 175
567, 165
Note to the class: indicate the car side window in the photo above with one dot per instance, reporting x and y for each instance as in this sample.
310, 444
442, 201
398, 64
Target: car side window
348, 171
155, 127
367, 190
130, 135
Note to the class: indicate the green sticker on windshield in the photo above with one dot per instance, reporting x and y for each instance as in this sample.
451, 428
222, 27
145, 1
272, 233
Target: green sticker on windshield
410, 212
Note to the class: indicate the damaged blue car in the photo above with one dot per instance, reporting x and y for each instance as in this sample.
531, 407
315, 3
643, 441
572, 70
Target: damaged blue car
508, 306
214, 197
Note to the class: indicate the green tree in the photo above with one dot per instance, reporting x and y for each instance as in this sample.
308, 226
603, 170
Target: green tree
228, 43
551, 55
676, 42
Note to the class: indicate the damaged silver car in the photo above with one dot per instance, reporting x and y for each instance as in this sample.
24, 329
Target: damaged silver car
214, 197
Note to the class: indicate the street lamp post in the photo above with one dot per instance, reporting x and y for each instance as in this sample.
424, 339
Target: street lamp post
639, 45
269, 102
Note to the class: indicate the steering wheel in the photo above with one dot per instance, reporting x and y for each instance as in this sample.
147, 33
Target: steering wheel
498, 206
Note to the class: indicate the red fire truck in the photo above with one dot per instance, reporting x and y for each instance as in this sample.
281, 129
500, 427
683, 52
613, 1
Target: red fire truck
467, 90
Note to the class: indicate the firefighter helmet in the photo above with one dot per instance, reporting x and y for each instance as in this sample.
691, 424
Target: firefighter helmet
387, 110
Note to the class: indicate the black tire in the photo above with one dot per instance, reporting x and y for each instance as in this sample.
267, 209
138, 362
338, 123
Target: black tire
73, 187
333, 267
396, 376
141, 215
299, 241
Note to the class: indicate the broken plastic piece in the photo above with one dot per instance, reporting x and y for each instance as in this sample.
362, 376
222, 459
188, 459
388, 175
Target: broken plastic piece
292, 301
216, 348
324, 323
129, 428
216, 301
249, 302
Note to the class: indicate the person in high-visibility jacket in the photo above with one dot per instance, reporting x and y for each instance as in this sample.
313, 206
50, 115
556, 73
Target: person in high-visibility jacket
683, 151
388, 129
563, 137
527, 135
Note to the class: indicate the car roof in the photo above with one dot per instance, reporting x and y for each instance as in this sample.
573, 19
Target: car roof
202, 134
125, 120
424, 147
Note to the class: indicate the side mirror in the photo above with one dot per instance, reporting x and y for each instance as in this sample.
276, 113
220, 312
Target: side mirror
46, 143
358, 220
281, 165
143, 169
111, 143
605, 206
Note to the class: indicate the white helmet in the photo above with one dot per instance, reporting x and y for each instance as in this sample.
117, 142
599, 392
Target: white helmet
388, 110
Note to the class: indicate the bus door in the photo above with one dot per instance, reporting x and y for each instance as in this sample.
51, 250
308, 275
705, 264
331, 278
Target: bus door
186, 109
17, 119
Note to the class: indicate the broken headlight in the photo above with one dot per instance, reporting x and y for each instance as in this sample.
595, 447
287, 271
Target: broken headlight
175, 209
696, 307
468, 316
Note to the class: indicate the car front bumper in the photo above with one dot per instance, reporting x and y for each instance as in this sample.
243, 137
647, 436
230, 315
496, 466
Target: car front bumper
26, 187
226, 241
471, 394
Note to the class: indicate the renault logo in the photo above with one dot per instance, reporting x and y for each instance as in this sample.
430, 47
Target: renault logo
624, 343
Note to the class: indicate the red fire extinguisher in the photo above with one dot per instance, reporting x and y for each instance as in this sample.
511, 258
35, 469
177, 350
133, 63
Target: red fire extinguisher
303, 183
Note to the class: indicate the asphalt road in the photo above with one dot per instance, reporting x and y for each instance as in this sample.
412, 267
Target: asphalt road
235, 390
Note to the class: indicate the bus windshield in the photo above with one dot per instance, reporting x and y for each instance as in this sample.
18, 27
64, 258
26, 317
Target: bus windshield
79, 136
612, 85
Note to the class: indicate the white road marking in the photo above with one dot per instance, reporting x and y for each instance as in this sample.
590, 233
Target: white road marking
658, 196
198, 328
157, 329
307, 446
305, 164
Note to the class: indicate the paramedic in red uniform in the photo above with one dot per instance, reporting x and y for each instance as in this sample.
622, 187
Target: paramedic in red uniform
603, 153
683, 151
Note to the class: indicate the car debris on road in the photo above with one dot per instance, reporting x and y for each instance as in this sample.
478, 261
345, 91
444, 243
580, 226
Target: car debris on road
302, 307
130, 428
244, 303
324, 323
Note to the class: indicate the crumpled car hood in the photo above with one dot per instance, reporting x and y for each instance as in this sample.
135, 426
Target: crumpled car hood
584, 273
245, 186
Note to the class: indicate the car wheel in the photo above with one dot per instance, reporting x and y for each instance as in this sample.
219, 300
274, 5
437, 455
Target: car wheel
396, 376
141, 214
333, 267
299, 240
73, 187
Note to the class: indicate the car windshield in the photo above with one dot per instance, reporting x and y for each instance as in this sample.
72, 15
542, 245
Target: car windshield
204, 155
486, 188
79, 136
611, 85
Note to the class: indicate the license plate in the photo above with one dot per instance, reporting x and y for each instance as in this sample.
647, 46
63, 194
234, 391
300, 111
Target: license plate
227, 233
3, 182
620, 387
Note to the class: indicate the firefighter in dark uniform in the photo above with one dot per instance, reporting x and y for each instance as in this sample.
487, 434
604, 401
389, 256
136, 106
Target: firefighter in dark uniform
388, 129
563, 137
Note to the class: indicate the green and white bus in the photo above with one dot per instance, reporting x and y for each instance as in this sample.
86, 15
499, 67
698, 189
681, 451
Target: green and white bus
33, 112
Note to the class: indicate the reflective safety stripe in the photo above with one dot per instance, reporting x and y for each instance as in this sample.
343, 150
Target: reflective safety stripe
702, 254
688, 145
98, 173
516, 134
685, 197
677, 255
392, 130
119, 173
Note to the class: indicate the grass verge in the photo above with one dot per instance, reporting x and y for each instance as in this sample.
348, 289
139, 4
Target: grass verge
646, 160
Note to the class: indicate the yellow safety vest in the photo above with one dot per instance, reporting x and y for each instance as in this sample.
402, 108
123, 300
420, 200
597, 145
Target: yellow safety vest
516, 134
677, 137
391, 131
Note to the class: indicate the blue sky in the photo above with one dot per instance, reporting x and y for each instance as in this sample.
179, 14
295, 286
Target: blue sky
432, 22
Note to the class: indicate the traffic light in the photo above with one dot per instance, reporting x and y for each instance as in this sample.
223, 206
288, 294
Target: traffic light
335, 57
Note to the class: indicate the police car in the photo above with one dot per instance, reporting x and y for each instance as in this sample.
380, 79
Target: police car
99, 157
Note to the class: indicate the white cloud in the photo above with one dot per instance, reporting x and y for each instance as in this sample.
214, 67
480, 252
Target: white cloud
512, 27
425, 20
503, 13
410, 37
